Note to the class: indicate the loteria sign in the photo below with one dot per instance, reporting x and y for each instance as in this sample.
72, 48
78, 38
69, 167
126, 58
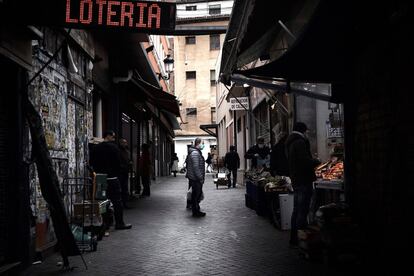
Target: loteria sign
137, 16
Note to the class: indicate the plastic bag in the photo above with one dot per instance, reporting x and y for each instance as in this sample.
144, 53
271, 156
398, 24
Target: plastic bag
189, 195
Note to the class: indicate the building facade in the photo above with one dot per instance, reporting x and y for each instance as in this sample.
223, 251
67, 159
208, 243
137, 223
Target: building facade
195, 71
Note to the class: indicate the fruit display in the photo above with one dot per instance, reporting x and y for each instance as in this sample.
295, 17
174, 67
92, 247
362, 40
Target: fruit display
330, 170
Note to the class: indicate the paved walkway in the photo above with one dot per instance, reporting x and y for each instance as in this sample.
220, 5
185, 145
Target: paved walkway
166, 240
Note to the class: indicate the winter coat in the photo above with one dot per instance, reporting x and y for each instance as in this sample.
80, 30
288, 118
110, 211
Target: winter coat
125, 160
301, 163
195, 165
278, 159
263, 153
145, 167
106, 158
232, 160
174, 164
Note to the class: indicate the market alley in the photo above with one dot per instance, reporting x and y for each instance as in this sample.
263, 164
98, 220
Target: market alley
166, 240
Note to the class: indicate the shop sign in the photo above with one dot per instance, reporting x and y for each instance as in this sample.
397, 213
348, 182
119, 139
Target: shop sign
131, 15
241, 103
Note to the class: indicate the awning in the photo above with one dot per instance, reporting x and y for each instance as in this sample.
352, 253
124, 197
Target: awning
236, 91
209, 128
322, 53
158, 97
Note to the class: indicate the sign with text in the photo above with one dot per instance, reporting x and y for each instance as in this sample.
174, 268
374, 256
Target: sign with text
136, 16
238, 105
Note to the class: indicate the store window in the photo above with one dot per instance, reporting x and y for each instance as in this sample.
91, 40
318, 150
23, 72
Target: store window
190, 75
214, 9
191, 111
215, 42
190, 8
190, 40
212, 77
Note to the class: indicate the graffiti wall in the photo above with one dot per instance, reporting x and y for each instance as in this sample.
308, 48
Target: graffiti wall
61, 98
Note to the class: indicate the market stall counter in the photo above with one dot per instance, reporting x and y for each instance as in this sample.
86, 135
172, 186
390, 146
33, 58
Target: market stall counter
269, 196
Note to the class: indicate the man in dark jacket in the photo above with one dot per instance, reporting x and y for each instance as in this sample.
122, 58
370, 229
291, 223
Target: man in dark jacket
196, 175
278, 157
232, 163
106, 159
258, 151
302, 173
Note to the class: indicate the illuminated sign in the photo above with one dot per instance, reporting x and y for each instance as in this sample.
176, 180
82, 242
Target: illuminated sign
138, 16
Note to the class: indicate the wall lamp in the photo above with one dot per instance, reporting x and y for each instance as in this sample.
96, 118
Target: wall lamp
169, 67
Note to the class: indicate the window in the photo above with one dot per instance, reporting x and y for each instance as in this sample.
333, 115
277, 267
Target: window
215, 42
190, 40
212, 77
214, 9
191, 111
190, 8
190, 75
213, 115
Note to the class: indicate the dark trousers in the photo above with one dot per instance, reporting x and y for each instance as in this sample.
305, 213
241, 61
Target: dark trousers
123, 179
234, 172
113, 192
301, 205
145, 180
196, 191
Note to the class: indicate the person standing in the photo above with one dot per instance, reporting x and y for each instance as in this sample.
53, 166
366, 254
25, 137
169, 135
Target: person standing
209, 160
302, 173
106, 159
278, 158
196, 175
257, 152
145, 169
174, 164
126, 164
232, 163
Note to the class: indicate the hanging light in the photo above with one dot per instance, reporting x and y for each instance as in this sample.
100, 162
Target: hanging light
169, 66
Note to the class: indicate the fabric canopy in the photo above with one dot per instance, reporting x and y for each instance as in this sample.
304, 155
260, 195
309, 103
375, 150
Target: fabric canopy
159, 98
322, 53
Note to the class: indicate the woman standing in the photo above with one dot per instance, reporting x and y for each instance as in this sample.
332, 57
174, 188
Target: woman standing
174, 164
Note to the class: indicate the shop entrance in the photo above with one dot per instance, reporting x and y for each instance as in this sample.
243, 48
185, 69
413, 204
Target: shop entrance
14, 201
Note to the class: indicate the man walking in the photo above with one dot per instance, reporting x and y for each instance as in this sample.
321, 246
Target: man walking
302, 173
196, 175
106, 159
232, 163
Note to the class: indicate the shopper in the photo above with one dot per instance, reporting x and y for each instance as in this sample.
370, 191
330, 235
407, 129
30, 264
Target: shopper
145, 169
232, 163
196, 176
302, 173
258, 152
209, 160
278, 157
126, 164
174, 164
105, 158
